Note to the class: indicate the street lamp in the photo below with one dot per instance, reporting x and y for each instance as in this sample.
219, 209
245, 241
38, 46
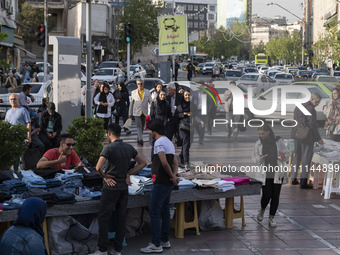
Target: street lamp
303, 22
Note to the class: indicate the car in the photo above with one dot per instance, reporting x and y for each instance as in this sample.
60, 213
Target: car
336, 74
262, 69
328, 78
304, 75
149, 83
232, 75
111, 75
208, 68
284, 78
324, 86
200, 66
248, 70
40, 65
137, 71
271, 73
109, 64
259, 82
265, 101
317, 72
39, 90
292, 71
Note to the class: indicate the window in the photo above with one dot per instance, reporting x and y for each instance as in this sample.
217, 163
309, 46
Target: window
212, 8
195, 17
201, 17
195, 7
202, 25
190, 24
201, 7
211, 17
190, 7
195, 24
263, 78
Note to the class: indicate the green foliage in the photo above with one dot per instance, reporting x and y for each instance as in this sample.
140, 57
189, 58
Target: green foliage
284, 47
256, 49
13, 144
226, 43
142, 14
3, 36
32, 18
88, 134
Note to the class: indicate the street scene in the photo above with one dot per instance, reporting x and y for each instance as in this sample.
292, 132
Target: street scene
143, 127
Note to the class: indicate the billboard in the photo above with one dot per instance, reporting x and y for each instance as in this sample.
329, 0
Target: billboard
228, 11
173, 35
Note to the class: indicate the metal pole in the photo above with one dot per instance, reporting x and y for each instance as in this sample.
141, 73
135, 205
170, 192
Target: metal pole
173, 55
128, 62
46, 40
88, 106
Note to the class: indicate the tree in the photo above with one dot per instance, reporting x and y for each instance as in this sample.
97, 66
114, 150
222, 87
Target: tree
256, 49
32, 18
142, 14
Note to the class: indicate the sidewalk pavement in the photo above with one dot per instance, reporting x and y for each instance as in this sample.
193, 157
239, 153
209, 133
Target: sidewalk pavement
307, 224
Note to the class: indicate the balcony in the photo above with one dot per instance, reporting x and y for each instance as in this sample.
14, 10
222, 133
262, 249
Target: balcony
51, 4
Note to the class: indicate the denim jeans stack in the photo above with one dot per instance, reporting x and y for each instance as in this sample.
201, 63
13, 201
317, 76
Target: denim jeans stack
63, 197
48, 196
13, 187
70, 179
32, 180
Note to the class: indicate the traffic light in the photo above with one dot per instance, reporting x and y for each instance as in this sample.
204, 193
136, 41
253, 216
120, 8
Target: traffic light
41, 36
128, 32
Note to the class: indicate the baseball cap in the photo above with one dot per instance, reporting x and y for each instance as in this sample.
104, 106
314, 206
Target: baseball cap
189, 59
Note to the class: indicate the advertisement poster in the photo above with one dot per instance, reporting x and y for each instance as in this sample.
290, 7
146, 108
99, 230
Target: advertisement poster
173, 35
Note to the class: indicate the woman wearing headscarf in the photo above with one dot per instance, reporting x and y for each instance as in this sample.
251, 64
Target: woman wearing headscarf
26, 236
104, 101
122, 103
160, 108
158, 88
183, 113
271, 155
332, 124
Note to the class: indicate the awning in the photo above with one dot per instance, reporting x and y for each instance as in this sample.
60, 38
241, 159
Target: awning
28, 53
8, 23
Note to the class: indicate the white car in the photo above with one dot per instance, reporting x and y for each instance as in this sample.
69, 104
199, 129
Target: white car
39, 91
284, 78
262, 69
111, 75
137, 71
336, 74
259, 82
265, 101
40, 65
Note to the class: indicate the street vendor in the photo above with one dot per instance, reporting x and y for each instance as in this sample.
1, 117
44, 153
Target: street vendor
63, 157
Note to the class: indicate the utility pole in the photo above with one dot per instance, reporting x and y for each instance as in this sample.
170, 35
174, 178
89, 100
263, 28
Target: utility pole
46, 40
88, 106
173, 55
303, 35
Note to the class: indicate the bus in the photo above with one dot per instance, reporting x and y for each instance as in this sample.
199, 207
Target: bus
261, 59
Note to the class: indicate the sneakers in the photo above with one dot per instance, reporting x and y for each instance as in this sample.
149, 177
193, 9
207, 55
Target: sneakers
260, 215
272, 223
151, 248
166, 244
98, 252
295, 182
127, 132
306, 186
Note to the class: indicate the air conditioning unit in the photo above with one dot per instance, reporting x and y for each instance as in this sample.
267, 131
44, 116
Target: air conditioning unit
10, 10
7, 4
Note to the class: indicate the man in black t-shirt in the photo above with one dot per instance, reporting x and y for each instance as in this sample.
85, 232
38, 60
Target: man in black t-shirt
117, 156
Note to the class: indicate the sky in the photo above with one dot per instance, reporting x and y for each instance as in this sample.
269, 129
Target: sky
260, 8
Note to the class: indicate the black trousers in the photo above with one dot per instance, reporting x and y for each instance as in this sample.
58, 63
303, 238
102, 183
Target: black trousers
271, 192
112, 200
124, 120
185, 135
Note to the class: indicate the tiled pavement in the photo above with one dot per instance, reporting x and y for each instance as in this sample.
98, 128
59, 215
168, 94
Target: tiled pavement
307, 225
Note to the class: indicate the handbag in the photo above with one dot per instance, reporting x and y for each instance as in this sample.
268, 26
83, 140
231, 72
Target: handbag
184, 126
301, 132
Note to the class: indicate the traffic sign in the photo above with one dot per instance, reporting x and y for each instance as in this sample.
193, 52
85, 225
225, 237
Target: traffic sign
155, 51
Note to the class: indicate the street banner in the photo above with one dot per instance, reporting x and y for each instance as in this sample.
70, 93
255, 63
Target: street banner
173, 35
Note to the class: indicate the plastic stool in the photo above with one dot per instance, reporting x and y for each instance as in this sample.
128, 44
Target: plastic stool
230, 213
179, 222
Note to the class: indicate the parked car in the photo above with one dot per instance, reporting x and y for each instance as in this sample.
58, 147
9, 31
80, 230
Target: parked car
328, 78
284, 78
200, 66
109, 64
259, 82
232, 75
111, 75
40, 65
265, 100
39, 90
271, 73
262, 69
317, 72
248, 70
